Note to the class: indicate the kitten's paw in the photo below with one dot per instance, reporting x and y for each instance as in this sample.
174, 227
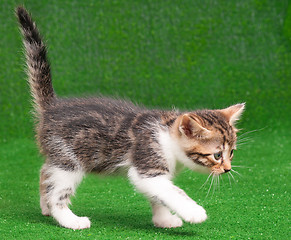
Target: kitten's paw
194, 214
44, 208
45, 212
169, 221
76, 223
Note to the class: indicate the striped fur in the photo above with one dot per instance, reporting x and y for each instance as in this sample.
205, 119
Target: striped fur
39, 74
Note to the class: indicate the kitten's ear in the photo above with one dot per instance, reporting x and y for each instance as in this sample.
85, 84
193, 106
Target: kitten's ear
233, 112
190, 127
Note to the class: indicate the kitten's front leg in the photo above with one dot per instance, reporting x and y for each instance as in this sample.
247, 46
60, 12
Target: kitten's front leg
161, 190
162, 217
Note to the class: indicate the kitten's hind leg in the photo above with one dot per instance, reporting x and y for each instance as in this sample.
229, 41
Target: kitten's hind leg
57, 186
163, 218
44, 190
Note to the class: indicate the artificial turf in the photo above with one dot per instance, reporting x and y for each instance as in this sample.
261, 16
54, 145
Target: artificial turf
187, 54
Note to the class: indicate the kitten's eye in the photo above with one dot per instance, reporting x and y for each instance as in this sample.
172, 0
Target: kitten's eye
218, 155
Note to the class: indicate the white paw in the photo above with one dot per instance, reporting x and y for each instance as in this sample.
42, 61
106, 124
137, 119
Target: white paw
68, 219
76, 223
45, 212
193, 214
44, 208
170, 221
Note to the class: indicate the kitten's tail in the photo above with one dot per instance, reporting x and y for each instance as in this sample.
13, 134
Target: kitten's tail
38, 67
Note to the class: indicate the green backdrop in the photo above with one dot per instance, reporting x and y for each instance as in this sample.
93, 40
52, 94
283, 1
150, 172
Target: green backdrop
187, 54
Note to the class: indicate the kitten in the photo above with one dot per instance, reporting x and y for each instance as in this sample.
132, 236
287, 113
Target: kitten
104, 135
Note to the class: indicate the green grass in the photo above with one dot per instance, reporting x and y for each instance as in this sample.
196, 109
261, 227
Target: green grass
187, 54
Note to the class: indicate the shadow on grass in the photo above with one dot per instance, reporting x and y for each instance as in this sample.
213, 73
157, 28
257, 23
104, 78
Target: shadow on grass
124, 222
136, 222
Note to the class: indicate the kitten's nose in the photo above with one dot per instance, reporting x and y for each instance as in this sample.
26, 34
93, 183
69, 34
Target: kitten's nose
226, 170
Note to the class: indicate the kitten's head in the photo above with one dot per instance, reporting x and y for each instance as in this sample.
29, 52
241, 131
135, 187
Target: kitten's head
208, 138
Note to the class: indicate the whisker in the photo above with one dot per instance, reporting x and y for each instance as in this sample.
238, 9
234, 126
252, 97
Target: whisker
256, 130
209, 186
237, 172
206, 181
240, 166
214, 186
232, 176
240, 144
244, 140
229, 181
187, 170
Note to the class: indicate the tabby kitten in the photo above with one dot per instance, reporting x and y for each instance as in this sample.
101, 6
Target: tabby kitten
104, 135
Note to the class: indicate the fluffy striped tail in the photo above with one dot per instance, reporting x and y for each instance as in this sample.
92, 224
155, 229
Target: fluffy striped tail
38, 67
